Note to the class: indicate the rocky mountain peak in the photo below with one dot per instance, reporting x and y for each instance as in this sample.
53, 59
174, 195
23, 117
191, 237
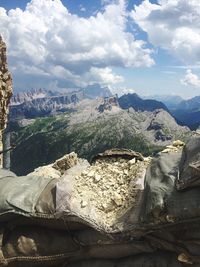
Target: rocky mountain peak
138, 104
42, 103
22, 97
108, 104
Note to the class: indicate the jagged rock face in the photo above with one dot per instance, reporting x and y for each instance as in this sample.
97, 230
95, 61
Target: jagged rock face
5, 88
108, 104
22, 97
36, 104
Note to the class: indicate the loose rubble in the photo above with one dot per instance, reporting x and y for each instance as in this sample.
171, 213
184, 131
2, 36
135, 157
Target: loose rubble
175, 147
111, 186
46, 171
57, 169
66, 162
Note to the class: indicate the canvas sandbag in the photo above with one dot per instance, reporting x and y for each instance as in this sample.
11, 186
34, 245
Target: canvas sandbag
160, 204
36, 200
184, 241
190, 165
37, 245
165, 204
157, 259
51, 202
31, 200
159, 184
20, 196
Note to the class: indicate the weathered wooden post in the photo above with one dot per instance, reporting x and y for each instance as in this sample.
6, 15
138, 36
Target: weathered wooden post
5, 93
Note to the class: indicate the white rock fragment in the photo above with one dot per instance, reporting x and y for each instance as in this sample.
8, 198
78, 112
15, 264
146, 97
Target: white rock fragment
85, 172
91, 173
126, 172
97, 178
166, 150
117, 199
83, 204
132, 161
184, 258
178, 143
175, 147
147, 159
46, 171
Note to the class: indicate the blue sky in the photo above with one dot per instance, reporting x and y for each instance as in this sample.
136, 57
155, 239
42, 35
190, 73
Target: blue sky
73, 5
149, 47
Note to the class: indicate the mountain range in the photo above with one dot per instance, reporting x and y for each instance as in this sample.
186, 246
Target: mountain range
41, 102
92, 126
38, 103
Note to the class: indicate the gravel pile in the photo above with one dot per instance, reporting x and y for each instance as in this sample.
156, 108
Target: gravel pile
111, 186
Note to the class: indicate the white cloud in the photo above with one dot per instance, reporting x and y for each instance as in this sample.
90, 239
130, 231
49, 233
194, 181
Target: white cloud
82, 8
122, 90
173, 25
72, 50
191, 79
104, 76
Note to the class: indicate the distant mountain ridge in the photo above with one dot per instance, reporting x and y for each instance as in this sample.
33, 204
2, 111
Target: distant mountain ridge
42, 102
91, 91
33, 94
133, 100
45, 106
192, 104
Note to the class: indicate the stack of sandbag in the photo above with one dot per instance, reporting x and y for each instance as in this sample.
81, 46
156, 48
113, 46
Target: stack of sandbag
120, 210
45, 216
172, 192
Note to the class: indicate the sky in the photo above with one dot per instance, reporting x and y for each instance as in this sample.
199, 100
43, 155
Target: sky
151, 47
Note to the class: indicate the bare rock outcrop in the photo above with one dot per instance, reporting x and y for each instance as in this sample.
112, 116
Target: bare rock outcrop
5, 89
108, 104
